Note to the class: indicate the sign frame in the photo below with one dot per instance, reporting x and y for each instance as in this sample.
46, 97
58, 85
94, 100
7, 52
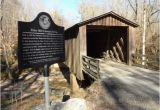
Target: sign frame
43, 23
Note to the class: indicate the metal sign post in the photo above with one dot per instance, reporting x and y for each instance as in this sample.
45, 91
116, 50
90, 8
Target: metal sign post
46, 86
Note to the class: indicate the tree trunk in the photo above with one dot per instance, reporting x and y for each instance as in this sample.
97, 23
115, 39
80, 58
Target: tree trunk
143, 37
7, 62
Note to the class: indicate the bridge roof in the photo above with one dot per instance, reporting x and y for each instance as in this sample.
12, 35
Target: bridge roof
112, 14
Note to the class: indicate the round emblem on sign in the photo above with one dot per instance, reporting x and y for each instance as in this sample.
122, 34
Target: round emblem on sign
44, 22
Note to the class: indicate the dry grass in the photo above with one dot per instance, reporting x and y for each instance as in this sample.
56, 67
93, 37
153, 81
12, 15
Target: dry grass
98, 99
57, 82
26, 104
95, 95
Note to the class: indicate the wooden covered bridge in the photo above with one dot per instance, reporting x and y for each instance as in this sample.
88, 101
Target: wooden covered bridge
109, 35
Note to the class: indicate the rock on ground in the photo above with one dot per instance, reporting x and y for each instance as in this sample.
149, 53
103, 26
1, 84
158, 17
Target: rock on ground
71, 104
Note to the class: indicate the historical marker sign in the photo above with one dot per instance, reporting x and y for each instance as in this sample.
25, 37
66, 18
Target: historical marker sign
40, 42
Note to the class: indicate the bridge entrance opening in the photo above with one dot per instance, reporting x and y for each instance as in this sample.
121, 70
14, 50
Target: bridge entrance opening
108, 42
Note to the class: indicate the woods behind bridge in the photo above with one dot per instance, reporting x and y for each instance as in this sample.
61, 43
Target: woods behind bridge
12, 11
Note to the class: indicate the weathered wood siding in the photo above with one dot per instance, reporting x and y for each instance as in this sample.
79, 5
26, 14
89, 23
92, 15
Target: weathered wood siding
76, 47
83, 47
109, 21
72, 52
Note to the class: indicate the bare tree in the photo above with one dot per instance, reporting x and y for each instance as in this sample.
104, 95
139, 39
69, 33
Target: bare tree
58, 19
89, 9
11, 12
8, 32
134, 7
147, 15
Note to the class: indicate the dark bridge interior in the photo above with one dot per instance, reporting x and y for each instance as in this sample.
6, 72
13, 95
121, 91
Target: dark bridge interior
109, 39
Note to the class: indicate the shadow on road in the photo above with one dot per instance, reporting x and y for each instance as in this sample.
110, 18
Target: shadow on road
131, 88
129, 97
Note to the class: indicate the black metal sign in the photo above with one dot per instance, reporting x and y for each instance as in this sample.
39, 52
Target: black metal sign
40, 42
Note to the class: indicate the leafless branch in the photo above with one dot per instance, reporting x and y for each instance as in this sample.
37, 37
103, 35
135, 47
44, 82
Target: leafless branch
154, 12
132, 6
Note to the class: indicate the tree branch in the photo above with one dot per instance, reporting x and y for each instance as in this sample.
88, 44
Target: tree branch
154, 12
132, 6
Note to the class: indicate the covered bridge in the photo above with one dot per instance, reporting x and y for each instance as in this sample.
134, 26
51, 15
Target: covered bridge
109, 34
